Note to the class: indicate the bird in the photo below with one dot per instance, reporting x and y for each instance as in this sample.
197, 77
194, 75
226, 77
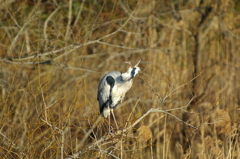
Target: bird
112, 89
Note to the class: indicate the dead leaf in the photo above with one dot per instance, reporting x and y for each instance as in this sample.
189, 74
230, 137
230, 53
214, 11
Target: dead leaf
144, 133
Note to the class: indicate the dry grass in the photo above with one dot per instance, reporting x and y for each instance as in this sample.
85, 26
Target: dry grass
53, 54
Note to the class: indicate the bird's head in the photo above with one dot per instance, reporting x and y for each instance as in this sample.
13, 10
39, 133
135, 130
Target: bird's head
131, 72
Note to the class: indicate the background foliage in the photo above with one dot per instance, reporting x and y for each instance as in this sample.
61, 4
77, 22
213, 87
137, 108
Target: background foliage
53, 54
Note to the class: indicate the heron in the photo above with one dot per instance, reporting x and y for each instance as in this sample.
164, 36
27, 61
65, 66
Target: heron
112, 89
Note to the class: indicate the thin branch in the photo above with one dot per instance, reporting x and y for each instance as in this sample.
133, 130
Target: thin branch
47, 21
13, 44
96, 18
181, 108
119, 29
14, 20
118, 46
60, 131
79, 14
16, 146
163, 111
124, 132
45, 105
72, 48
40, 54
54, 127
131, 113
89, 131
172, 27
168, 94
69, 21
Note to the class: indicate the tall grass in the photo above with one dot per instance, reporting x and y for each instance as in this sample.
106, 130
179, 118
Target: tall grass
53, 54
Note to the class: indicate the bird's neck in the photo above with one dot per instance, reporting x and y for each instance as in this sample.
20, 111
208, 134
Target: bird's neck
127, 75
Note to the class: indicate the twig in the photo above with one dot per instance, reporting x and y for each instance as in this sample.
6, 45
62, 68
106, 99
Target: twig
45, 105
181, 108
60, 131
118, 46
163, 111
89, 131
13, 44
54, 127
131, 113
14, 20
73, 47
69, 21
124, 132
168, 94
46, 22
119, 29
16, 146
172, 27
79, 14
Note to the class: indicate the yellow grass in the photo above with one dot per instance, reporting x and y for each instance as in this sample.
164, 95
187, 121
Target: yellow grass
183, 104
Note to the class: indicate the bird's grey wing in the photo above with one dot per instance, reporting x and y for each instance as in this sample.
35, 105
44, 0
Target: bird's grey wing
104, 87
103, 92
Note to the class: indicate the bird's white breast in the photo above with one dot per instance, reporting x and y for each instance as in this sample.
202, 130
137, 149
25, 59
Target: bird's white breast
119, 91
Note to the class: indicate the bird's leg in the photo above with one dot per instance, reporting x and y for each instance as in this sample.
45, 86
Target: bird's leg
114, 118
109, 123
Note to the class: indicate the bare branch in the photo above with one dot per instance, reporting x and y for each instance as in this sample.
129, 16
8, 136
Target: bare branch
79, 14
22, 28
69, 20
123, 132
47, 21
16, 146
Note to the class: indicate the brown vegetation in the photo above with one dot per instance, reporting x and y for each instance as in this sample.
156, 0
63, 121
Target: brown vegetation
183, 104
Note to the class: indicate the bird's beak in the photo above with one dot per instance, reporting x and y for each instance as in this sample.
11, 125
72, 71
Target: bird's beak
138, 63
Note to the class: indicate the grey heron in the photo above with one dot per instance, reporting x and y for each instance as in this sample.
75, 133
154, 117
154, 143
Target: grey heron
112, 89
